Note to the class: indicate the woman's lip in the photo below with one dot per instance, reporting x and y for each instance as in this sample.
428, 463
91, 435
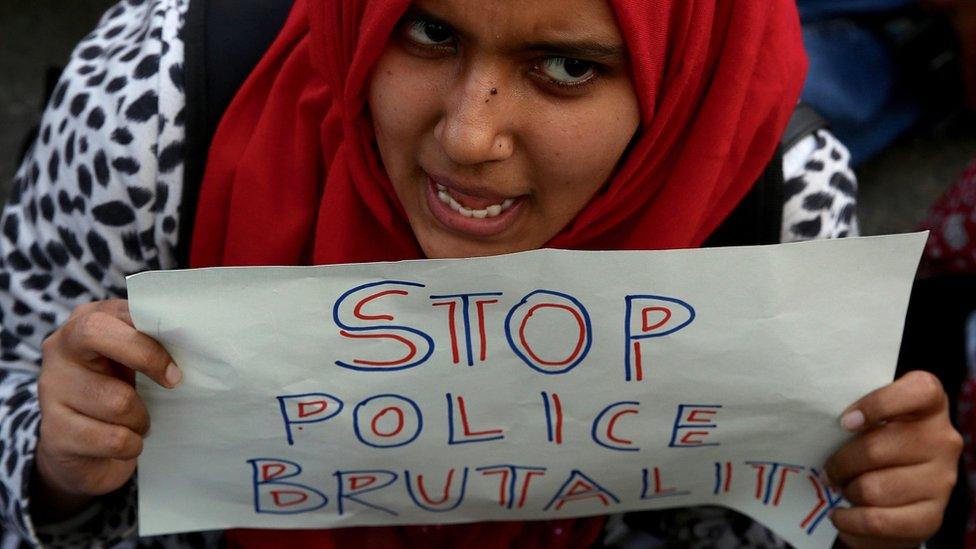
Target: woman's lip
472, 226
472, 199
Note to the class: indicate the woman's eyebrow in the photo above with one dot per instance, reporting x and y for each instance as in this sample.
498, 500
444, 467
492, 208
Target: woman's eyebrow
586, 49
416, 12
582, 49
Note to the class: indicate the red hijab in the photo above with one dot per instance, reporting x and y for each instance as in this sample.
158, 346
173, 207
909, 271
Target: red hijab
293, 176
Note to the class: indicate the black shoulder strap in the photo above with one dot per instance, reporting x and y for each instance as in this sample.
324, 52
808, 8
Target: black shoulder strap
223, 40
805, 121
758, 219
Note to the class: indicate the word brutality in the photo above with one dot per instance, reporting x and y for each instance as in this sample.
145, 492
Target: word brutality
277, 490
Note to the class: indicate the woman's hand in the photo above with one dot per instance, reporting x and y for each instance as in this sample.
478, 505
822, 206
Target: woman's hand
900, 469
92, 419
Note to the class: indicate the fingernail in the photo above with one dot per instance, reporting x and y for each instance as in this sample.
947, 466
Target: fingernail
173, 374
853, 420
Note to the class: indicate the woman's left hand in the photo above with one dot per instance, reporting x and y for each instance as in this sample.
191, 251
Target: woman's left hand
898, 472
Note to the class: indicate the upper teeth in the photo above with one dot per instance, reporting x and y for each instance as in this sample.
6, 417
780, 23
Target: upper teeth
490, 211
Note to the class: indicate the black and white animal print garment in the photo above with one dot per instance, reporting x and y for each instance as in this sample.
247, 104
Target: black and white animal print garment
821, 190
97, 199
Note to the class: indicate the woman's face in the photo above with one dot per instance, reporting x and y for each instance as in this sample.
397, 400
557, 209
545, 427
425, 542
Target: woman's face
498, 120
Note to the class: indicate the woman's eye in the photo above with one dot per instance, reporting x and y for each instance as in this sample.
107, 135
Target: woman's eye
567, 71
429, 33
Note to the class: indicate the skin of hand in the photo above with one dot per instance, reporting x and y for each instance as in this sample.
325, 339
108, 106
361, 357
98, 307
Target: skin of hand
92, 420
899, 470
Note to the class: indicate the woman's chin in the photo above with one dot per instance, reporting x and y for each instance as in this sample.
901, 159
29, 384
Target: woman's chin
446, 246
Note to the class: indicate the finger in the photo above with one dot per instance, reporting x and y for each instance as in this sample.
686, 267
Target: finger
98, 334
115, 307
916, 393
879, 448
106, 399
75, 435
900, 486
911, 524
118, 308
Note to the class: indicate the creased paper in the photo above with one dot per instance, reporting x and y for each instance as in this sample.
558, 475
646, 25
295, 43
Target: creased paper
539, 385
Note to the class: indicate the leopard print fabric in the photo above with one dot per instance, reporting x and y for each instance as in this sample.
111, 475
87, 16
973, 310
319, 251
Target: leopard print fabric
97, 199
820, 197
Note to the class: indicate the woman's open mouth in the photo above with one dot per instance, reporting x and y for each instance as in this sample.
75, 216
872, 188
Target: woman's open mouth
472, 215
492, 210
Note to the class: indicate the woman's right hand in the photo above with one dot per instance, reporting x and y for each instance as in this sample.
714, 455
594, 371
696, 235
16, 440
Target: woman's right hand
92, 419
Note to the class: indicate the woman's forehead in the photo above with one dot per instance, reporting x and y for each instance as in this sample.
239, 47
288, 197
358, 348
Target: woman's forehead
508, 22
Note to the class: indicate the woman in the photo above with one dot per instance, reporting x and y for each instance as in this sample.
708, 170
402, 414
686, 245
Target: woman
391, 130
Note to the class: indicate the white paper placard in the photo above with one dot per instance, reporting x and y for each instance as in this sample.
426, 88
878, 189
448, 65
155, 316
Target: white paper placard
539, 385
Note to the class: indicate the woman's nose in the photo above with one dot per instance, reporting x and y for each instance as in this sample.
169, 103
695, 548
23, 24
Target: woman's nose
475, 126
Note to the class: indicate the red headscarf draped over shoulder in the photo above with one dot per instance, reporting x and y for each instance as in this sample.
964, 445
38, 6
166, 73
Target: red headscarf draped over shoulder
293, 175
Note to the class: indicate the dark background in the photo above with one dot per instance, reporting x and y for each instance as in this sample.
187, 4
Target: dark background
34, 35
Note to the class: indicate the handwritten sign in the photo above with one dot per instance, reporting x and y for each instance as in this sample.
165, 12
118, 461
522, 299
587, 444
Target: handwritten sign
540, 385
